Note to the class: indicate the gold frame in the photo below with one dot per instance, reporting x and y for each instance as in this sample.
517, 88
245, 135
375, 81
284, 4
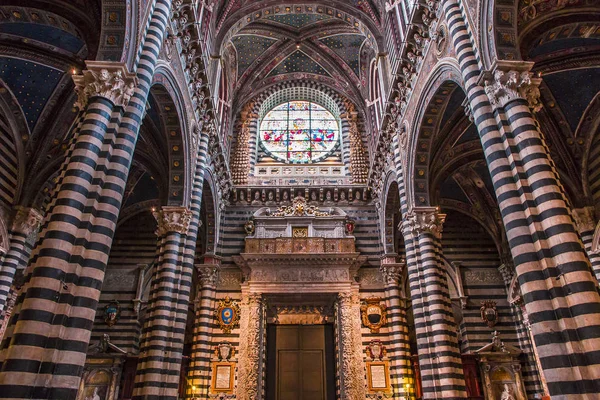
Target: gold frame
235, 319
388, 384
213, 380
373, 302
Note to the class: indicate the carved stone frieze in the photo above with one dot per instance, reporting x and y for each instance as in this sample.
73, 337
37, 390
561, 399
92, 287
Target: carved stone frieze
424, 219
110, 80
172, 220
249, 359
353, 369
300, 275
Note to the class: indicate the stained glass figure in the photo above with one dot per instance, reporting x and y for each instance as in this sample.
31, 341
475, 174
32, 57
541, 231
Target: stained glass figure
299, 132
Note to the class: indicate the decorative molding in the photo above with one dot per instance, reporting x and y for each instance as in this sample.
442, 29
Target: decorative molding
353, 370
358, 160
251, 323
110, 80
172, 220
298, 208
241, 156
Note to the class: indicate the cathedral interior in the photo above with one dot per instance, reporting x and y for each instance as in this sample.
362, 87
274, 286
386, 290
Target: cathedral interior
316, 200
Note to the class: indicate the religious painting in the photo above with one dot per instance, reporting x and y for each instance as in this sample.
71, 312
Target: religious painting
96, 386
227, 314
378, 376
222, 377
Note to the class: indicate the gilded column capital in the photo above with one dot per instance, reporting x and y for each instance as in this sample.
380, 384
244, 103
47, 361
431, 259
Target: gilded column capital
172, 220
207, 275
27, 220
511, 80
424, 219
110, 80
585, 219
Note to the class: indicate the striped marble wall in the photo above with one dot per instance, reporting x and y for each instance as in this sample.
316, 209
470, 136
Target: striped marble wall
134, 244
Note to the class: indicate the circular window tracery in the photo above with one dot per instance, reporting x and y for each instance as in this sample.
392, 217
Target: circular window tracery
299, 132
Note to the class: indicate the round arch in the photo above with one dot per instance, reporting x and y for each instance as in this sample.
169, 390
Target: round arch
445, 78
178, 133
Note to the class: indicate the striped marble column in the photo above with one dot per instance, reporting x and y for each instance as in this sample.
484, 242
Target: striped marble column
44, 347
249, 375
585, 221
440, 363
161, 347
559, 291
399, 345
530, 371
26, 222
202, 350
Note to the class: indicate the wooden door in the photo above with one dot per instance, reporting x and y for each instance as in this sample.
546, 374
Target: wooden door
300, 355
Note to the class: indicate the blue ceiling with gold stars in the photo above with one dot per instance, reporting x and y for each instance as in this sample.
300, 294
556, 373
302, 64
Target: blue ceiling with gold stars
248, 48
44, 33
347, 47
298, 62
31, 83
297, 20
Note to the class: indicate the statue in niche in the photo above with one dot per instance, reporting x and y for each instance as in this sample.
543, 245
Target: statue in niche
313, 196
507, 393
285, 196
328, 196
242, 197
270, 197
94, 396
357, 195
342, 195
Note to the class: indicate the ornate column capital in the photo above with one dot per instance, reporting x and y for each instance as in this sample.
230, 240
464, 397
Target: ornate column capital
27, 220
585, 219
253, 299
172, 219
392, 273
509, 80
208, 275
424, 219
107, 79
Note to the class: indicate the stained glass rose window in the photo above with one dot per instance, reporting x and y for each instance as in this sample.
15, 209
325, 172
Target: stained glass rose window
299, 132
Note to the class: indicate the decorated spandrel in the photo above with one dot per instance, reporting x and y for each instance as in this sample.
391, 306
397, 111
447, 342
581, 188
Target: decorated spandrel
299, 132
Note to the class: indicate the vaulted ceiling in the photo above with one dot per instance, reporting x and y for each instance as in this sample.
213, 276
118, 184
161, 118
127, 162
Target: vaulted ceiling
330, 45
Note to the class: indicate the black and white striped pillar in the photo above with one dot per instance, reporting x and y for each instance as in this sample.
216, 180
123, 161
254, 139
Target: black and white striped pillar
442, 375
161, 348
